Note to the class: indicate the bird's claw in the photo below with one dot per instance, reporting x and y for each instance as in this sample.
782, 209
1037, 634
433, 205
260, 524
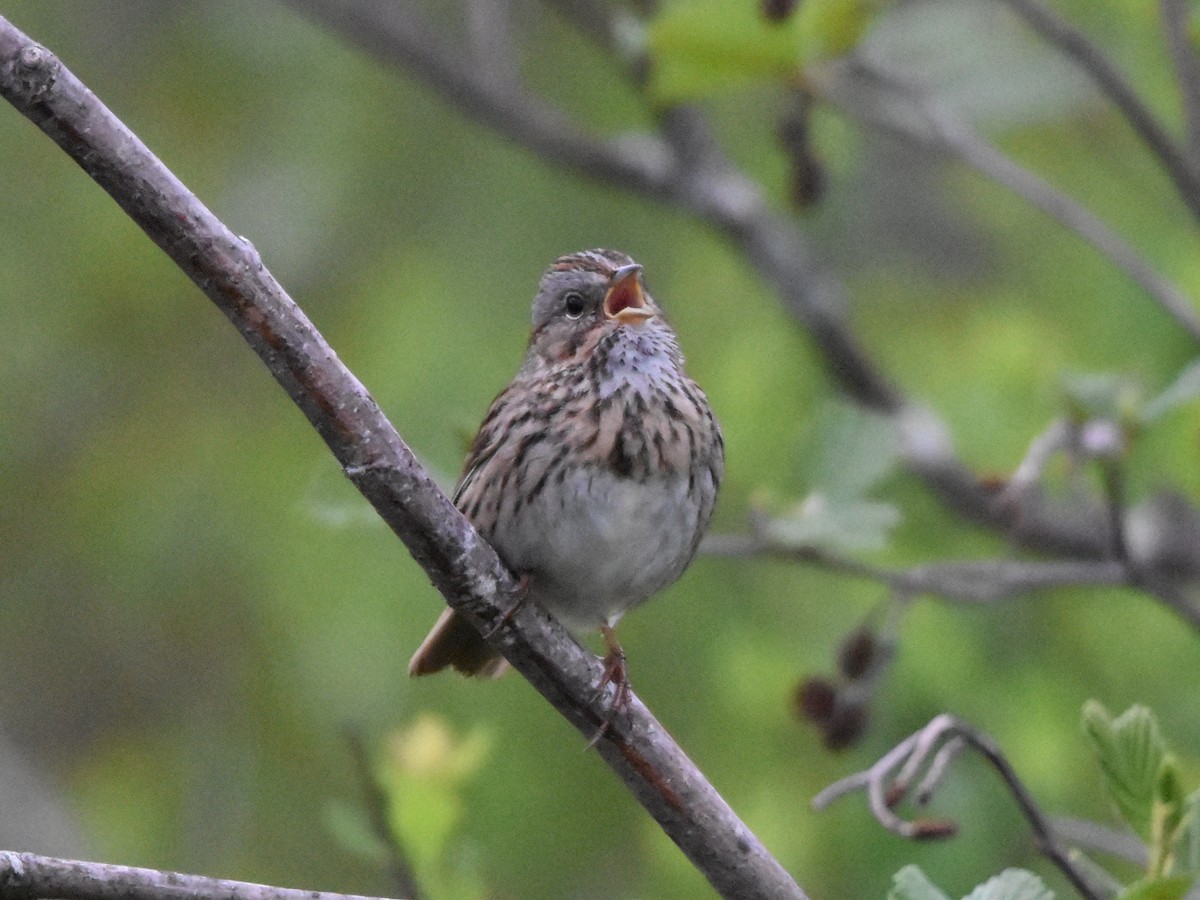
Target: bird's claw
616, 674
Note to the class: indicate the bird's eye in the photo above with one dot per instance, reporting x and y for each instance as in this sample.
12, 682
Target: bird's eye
574, 304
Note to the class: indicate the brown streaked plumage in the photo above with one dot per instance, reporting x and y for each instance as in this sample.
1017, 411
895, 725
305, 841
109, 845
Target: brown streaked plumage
594, 473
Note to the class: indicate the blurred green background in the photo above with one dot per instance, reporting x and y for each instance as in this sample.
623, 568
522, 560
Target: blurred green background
195, 605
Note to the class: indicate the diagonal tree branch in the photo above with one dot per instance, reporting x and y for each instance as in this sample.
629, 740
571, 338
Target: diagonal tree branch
397, 36
979, 581
461, 565
1176, 16
885, 102
1076, 46
976, 581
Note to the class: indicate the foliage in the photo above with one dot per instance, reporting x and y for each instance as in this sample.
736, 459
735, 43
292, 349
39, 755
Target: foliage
1145, 783
858, 451
1131, 753
701, 47
910, 883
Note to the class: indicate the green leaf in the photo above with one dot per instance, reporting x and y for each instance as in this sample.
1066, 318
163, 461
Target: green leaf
857, 451
422, 774
910, 883
1173, 888
1130, 752
702, 47
837, 526
1184, 389
1012, 884
1166, 817
834, 27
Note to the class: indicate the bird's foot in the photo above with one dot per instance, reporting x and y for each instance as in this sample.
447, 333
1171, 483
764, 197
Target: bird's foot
616, 674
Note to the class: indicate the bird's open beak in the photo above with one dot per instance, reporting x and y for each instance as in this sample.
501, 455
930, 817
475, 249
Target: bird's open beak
625, 301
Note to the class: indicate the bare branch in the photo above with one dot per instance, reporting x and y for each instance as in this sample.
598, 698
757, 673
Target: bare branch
996, 580
489, 27
461, 565
1061, 529
1076, 46
932, 749
396, 35
993, 580
971, 581
611, 27
1056, 438
1113, 478
26, 876
901, 109
1176, 28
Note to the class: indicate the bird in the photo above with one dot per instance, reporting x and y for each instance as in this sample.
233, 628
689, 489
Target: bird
594, 472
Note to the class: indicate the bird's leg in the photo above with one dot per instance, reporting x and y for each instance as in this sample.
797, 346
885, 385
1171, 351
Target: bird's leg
522, 592
616, 675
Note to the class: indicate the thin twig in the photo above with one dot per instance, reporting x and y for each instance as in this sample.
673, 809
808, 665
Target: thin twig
1176, 19
1076, 46
980, 581
399, 868
1042, 449
891, 778
397, 35
489, 29
968, 581
1113, 478
885, 101
463, 567
27, 876
932, 779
